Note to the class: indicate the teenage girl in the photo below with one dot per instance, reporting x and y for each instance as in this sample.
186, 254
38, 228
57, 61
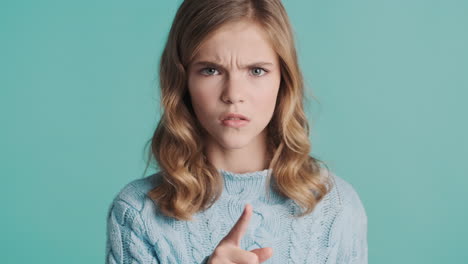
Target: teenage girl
236, 182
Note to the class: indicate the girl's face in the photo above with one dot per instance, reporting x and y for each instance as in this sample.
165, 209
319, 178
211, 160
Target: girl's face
235, 71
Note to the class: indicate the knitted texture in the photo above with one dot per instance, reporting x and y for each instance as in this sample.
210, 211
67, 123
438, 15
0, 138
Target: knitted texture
335, 232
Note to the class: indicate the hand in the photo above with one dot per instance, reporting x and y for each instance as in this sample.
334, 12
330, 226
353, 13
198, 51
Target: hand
228, 250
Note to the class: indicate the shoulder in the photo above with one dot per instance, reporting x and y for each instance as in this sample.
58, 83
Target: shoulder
135, 192
350, 211
131, 206
132, 199
347, 195
347, 235
127, 229
343, 198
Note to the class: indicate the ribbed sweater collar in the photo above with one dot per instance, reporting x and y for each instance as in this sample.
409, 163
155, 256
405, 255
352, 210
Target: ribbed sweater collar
249, 185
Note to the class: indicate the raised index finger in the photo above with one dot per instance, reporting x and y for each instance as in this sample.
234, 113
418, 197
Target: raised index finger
238, 230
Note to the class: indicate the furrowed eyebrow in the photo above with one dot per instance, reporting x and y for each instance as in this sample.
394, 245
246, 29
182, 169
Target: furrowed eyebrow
216, 65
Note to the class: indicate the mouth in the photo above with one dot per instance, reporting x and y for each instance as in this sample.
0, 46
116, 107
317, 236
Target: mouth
234, 122
233, 116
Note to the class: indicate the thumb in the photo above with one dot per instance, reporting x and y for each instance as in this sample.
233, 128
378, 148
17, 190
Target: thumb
263, 253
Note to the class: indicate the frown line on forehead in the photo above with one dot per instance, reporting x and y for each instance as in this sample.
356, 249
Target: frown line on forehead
206, 63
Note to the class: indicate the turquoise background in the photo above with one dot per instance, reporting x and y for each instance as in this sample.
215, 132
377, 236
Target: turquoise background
79, 100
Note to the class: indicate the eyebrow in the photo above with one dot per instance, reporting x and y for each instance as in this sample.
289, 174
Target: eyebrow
216, 65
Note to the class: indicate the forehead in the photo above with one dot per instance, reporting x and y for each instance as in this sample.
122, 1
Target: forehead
244, 40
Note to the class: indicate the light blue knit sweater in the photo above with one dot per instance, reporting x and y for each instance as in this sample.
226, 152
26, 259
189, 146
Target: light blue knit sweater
335, 232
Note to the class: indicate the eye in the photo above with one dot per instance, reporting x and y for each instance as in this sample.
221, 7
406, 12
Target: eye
204, 70
258, 70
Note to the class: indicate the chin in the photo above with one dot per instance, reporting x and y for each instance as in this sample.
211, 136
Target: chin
234, 143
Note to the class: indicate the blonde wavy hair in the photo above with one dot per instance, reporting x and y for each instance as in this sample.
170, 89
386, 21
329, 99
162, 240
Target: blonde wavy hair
189, 182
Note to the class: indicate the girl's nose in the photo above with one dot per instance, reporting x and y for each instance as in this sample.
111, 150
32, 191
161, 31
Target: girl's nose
232, 92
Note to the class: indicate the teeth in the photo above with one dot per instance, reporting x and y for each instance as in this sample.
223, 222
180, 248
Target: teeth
233, 118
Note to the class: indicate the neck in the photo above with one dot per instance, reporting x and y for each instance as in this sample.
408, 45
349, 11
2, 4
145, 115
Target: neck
249, 158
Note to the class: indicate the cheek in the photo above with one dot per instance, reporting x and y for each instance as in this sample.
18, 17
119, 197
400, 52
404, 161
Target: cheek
269, 95
202, 101
268, 103
199, 98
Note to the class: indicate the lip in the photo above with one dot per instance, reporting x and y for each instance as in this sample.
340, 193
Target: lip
233, 115
234, 123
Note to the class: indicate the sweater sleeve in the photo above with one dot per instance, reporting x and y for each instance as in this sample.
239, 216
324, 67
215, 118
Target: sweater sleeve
348, 234
125, 236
